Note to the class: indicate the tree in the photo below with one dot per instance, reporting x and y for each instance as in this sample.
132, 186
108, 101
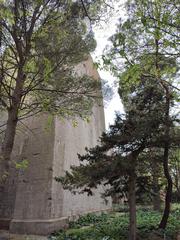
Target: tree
41, 42
147, 70
116, 161
146, 43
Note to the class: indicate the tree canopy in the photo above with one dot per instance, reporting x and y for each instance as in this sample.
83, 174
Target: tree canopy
41, 43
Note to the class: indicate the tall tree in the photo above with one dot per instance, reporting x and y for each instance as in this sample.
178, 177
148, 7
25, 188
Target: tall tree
116, 161
147, 69
41, 42
147, 43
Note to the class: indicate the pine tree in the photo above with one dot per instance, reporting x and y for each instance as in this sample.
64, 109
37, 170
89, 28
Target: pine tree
115, 162
41, 42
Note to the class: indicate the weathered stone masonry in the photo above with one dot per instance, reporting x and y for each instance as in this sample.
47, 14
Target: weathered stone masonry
34, 202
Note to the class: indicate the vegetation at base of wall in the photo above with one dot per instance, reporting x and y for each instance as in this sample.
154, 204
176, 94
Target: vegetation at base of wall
114, 226
89, 219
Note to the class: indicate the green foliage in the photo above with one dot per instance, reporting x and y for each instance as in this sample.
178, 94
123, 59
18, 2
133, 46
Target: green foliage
44, 49
89, 219
51, 39
145, 48
128, 136
146, 43
115, 227
22, 165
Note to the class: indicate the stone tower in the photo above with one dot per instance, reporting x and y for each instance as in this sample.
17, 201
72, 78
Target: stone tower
34, 202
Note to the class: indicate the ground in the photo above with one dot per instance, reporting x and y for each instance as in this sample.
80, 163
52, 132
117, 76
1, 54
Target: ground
5, 235
114, 226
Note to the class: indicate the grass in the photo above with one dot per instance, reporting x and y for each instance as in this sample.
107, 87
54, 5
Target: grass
114, 226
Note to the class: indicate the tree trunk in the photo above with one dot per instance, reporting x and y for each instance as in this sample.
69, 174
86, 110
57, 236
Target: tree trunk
8, 142
168, 197
132, 206
12, 120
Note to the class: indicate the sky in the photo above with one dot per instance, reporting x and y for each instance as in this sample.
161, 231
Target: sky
102, 34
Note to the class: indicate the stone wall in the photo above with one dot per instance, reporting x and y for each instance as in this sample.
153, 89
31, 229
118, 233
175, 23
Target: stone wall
38, 203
